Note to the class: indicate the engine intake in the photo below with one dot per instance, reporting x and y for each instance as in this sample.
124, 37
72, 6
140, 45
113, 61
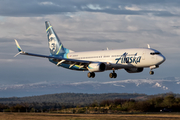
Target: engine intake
97, 67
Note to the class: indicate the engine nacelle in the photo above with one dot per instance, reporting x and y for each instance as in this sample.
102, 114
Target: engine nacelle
97, 67
134, 70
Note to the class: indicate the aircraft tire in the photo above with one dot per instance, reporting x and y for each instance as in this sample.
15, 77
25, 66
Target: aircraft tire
91, 74
111, 75
114, 75
151, 72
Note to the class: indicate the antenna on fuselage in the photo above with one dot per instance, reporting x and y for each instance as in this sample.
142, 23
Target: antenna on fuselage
148, 46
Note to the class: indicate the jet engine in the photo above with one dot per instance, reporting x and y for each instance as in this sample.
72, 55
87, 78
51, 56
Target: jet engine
134, 70
96, 67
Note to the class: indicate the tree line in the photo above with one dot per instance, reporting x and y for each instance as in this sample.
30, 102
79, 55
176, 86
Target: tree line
71, 98
111, 105
153, 104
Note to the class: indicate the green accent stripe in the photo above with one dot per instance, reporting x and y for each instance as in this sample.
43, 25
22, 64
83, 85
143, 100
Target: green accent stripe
90, 67
19, 48
77, 65
48, 28
59, 49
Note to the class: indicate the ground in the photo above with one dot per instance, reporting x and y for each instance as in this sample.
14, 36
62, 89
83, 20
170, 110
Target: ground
53, 116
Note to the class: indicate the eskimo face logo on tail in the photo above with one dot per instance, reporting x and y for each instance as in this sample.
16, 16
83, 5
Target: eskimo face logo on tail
52, 43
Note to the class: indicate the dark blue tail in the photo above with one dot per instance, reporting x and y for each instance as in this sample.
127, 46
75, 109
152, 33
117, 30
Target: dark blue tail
55, 45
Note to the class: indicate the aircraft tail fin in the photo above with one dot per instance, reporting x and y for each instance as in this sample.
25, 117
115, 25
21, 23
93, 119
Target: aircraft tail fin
55, 45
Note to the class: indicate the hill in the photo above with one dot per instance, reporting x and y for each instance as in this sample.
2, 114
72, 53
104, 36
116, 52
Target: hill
72, 98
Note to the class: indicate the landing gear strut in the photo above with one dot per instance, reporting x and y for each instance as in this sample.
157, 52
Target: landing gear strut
91, 74
153, 67
113, 74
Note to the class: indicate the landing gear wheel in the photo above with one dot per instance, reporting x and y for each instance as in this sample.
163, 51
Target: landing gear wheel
151, 72
91, 74
112, 75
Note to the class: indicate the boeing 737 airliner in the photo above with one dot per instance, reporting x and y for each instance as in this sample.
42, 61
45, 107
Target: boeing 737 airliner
132, 60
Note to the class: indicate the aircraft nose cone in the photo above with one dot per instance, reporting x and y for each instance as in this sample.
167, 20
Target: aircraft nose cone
161, 59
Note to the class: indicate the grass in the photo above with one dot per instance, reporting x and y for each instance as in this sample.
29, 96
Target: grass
56, 116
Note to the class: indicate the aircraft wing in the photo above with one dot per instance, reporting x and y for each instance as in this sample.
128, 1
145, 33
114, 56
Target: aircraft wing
53, 57
59, 60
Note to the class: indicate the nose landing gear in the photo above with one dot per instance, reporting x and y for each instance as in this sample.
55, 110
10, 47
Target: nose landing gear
153, 67
151, 72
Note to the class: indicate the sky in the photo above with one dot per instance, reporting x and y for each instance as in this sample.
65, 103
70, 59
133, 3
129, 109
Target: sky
84, 25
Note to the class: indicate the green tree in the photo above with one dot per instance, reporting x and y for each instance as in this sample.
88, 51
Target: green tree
169, 101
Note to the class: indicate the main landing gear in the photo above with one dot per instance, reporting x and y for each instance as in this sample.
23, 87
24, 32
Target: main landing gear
91, 74
113, 74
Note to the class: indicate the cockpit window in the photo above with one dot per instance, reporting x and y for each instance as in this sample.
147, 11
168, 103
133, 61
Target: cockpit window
155, 53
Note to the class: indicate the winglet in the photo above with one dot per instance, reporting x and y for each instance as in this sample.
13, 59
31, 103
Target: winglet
18, 46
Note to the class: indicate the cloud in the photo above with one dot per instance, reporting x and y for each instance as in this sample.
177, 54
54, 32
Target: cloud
98, 40
47, 3
6, 60
41, 8
133, 8
33, 8
132, 28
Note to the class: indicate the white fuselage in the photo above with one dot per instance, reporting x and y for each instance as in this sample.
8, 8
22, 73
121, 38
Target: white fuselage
137, 57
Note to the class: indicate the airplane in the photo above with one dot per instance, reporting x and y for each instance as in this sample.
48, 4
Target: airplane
133, 60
